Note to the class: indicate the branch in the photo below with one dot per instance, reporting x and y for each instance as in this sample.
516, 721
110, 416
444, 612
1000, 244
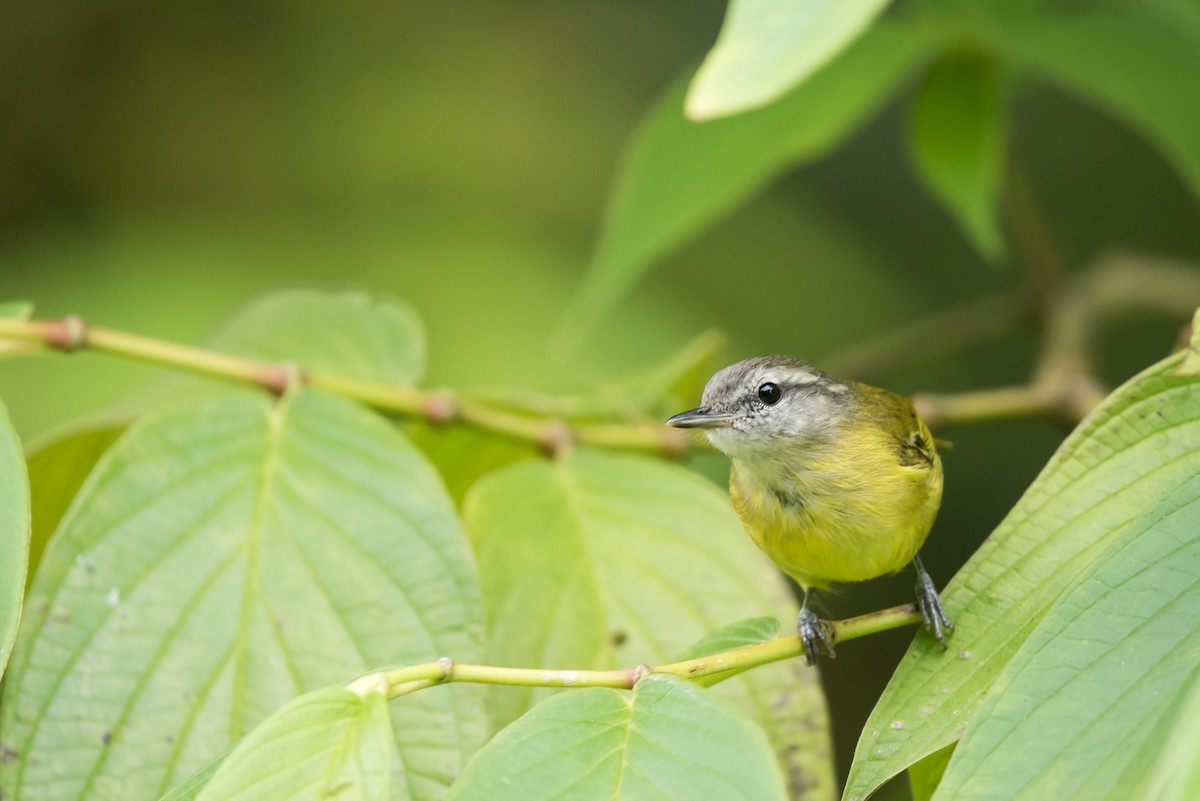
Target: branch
438, 407
404, 680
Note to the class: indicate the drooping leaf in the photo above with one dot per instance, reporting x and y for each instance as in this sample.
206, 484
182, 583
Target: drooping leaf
1087, 703
1141, 444
601, 560
678, 177
58, 464
14, 535
958, 141
768, 46
669, 740
330, 743
221, 559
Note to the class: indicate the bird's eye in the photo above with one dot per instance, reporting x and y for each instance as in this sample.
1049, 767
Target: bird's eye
770, 393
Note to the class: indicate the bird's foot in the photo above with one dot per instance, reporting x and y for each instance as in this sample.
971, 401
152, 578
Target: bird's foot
932, 614
816, 636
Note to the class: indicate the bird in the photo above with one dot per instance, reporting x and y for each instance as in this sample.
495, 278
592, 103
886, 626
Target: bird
836, 481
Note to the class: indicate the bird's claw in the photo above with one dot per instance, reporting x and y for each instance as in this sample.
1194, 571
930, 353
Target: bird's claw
932, 614
815, 635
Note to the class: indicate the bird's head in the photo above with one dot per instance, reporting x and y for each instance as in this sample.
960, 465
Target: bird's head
760, 404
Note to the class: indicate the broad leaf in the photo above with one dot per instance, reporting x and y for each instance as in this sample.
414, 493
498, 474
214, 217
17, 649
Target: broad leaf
220, 560
957, 144
16, 309
14, 536
602, 560
330, 743
768, 46
1140, 445
678, 176
1091, 697
669, 740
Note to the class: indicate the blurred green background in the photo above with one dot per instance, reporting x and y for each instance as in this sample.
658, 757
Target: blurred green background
162, 164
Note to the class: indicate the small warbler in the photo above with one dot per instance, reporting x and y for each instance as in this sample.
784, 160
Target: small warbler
835, 480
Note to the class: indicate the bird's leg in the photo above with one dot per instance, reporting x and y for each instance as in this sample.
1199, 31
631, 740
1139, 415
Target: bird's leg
813, 634
932, 613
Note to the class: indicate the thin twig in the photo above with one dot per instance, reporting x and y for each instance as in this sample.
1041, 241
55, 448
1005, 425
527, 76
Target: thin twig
401, 681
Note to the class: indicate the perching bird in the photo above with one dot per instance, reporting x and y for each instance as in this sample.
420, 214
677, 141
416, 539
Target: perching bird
835, 480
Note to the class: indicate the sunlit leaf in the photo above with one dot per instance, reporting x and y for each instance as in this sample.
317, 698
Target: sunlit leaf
1095, 689
601, 560
1141, 445
669, 739
768, 46
14, 536
330, 743
958, 141
678, 176
222, 559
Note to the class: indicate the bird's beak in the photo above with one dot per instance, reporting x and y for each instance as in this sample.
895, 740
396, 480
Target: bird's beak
701, 418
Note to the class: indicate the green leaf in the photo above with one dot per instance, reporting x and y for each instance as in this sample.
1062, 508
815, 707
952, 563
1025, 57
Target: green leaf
768, 46
19, 310
58, 464
678, 177
957, 143
1191, 354
221, 559
1137, 62
751, 631
1140, 444
14, 536
352, 333
193, 785
1091, 696
1176, 776
600, 560
330, 743
926, 774
16, 309
463, 454
670, 740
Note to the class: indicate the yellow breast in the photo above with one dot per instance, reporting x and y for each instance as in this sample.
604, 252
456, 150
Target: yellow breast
850, 510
